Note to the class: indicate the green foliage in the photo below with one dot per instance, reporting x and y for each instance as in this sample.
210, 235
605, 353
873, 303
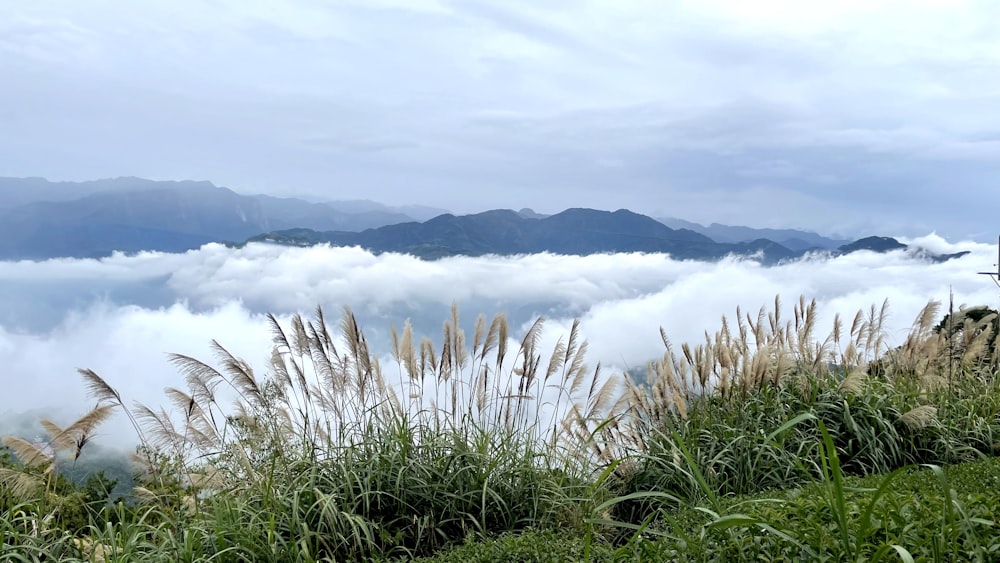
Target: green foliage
761, 444
529, 546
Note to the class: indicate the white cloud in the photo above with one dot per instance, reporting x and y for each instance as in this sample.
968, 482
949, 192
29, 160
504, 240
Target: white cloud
622, 300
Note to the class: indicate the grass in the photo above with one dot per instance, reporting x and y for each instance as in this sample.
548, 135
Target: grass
763, 442
892, 518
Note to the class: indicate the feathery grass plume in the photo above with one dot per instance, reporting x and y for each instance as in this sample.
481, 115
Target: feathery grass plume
688, 355
279, 369
481, 382
301, 343
145, 495
923, 325
322, 353
594, 380
706, 366
278, 335
22, 486
428, 358
30, 455
59, 439
741, 325
558, 357
981, 334
850, 357
577, 372
680, 403
837, 328
198, 374
879, 328
920, 417
477, 334
446, 366
182, 401
573, 351
774, 317
357, 349
408, 354
758, 327
81, 431
530, 359
202, 390
932, 381
782, 364
323, 333
724, 333
857, 325
854, 382
239, 373
724, 383
98, 553
458, 345
99, 389
159, 429
493, 335
805, 315
293, 353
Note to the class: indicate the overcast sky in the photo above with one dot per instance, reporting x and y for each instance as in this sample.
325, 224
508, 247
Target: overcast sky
842, 117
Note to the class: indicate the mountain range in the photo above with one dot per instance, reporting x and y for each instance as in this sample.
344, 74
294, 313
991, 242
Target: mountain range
791, 239
574, 231
501, 231
41, 219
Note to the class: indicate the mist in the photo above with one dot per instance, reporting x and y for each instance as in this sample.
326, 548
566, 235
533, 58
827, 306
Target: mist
122, 315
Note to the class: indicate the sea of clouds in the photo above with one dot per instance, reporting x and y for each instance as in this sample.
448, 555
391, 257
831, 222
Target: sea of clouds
122, 315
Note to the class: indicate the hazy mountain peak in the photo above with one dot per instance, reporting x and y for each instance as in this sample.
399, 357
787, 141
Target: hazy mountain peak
794, 239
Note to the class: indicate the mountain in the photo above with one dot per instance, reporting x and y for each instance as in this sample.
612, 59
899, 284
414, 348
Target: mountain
574, 232
41, 219
292, 212
20, 191
888, 244
792, 239
363, 206
876, 244
529, 213
505, 232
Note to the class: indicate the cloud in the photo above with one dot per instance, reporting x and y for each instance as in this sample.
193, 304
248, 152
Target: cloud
122, 315
125, 344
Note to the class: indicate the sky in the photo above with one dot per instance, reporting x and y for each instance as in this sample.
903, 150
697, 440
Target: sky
122, 315
849, 117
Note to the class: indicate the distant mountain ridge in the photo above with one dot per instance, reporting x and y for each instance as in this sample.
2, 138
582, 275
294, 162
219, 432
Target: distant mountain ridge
505, 232
574, 231
41, 219
793, 239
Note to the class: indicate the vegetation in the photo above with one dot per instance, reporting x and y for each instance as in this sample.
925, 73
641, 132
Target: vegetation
764, 442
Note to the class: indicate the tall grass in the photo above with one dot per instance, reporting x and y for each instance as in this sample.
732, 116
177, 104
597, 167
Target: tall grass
326, 455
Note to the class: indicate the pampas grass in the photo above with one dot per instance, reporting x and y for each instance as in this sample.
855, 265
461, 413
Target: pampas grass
323, 452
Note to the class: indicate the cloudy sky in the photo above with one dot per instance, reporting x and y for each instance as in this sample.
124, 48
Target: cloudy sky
839, 117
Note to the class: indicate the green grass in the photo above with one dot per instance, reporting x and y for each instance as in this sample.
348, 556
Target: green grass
763, 443
883, 517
